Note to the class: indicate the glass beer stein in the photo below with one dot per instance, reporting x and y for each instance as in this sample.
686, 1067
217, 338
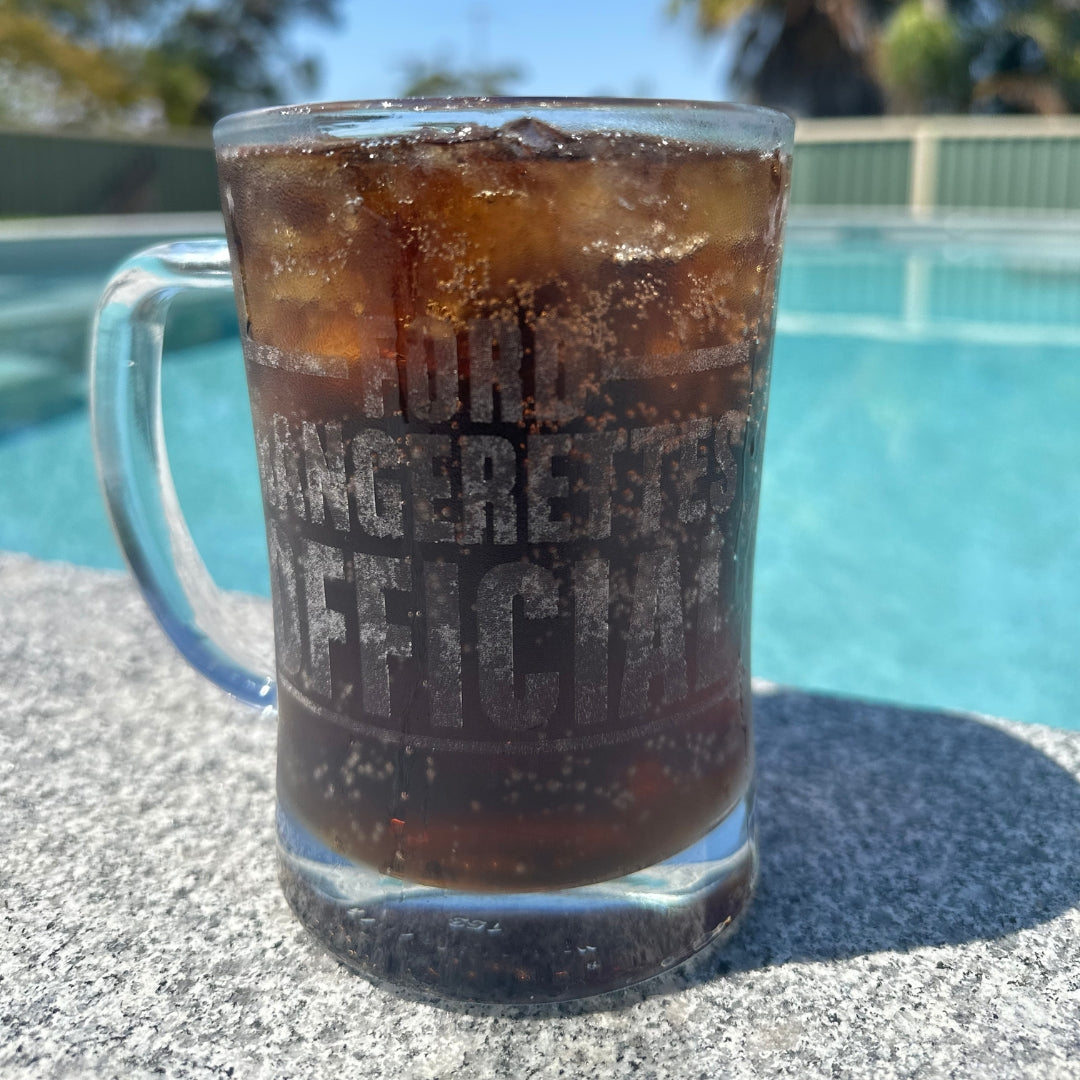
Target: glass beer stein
508, 363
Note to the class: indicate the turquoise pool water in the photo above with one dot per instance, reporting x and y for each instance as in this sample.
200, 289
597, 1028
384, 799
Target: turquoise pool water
919, 537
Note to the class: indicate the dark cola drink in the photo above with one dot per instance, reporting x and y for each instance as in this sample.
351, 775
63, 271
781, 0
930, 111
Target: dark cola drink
509, 389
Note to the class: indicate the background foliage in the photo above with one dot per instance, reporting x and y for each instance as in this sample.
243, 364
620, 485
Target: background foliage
142, 63
852, 57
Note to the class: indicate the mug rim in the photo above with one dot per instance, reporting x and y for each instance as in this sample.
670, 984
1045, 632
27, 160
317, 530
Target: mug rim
756, 125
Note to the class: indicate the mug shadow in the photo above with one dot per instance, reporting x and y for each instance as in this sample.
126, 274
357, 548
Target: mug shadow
882, 828
891, 828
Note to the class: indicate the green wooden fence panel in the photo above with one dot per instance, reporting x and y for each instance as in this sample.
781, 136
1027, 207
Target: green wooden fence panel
44, 175
1016, 173
851, 173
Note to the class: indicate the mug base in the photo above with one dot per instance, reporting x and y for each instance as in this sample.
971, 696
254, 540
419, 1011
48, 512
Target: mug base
521, 948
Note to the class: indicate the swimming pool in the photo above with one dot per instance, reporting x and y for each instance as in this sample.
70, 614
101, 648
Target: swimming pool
919, 538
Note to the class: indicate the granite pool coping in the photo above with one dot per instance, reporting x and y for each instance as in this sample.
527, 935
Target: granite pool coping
918, 913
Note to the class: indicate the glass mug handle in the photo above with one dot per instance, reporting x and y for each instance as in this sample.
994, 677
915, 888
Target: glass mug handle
129, 443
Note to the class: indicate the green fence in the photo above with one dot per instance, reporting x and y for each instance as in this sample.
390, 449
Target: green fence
47, 175
947, 163
980, 163
1004, 173
870, 173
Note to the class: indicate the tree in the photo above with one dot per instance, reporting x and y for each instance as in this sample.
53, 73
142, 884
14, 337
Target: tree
810, 57
442, 77
923, 60
1028, 59
983, 57
850, 57
134, 63
425, 78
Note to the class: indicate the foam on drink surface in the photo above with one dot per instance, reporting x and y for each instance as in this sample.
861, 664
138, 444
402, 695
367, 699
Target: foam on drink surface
508, 388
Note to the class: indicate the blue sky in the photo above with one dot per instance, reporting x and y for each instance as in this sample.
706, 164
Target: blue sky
566, 47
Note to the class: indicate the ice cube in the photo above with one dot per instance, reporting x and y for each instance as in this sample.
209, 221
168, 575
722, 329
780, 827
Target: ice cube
536, 136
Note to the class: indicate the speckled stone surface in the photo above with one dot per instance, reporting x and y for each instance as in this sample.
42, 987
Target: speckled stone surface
917, 916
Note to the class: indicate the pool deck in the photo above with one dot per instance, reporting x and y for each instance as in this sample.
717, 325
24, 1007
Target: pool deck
917, 914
